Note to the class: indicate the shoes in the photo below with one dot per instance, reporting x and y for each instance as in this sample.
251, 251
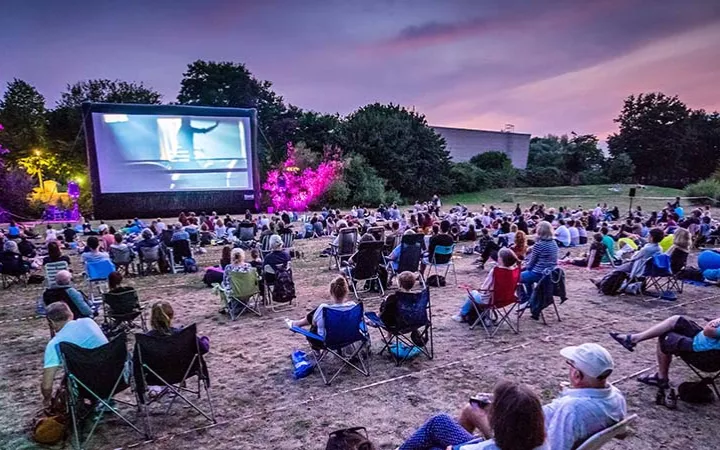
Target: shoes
458, 318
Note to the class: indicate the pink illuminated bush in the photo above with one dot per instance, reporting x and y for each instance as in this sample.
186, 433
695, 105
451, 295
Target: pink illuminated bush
293, 188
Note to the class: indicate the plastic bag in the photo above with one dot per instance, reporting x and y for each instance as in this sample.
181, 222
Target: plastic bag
302, 366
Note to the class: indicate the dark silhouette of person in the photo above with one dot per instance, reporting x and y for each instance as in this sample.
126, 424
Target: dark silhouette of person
186, 135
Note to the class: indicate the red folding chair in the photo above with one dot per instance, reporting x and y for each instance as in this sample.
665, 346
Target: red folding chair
503, 301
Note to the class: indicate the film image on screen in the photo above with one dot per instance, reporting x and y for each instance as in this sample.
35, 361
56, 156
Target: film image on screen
167, 153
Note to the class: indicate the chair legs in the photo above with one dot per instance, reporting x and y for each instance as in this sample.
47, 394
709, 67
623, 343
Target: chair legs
362, 366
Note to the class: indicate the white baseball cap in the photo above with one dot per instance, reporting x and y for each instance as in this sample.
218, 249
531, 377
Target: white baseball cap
591, 359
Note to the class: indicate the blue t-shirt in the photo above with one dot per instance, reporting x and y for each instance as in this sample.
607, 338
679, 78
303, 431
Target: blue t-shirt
13, 231
680, 212
84, 333
702, 343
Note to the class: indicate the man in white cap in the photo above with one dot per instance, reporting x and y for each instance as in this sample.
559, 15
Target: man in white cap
590, 404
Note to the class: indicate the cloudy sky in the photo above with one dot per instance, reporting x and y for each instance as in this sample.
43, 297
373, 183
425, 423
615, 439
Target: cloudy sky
546, 66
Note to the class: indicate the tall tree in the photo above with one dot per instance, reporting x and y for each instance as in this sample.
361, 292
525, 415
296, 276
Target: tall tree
65, 123
401, 147
546, 151
653, 133
580, 154
22, 113
209, 83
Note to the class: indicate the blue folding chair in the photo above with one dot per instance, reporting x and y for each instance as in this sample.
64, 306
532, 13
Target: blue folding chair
346, 336
97, 274
658, 278
446, 251
413, 317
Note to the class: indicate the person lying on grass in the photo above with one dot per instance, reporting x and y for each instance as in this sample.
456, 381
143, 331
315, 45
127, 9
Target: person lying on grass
675, 335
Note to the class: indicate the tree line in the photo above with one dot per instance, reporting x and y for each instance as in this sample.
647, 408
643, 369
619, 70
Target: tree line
389, 152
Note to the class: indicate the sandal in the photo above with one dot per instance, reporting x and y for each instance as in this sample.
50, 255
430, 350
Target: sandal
653, 380
624, 341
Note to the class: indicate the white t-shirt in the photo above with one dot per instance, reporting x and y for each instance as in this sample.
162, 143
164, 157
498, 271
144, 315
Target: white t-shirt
160, 227
81, 332
574, 236
562, 234
50, 235
319, 320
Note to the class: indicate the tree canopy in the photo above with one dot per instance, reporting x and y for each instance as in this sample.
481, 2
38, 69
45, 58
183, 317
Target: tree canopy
23, 115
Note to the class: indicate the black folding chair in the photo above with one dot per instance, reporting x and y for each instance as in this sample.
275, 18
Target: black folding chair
364, 267
149, 257
377, 232
122, 258
704, 363
123, 308
411, 250
13, 269
413, 317
168, 361
96, 375
347, 244
179, 250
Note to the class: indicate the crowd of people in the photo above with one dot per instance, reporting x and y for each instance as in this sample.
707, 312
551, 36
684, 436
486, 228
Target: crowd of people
531, 240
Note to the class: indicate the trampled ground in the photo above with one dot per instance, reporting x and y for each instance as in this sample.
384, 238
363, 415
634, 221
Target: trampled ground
259, 405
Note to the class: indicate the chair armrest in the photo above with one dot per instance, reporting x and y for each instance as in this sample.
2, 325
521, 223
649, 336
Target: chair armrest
374, 320
307, 333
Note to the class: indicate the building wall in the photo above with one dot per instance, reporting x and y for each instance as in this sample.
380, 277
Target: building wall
463, 144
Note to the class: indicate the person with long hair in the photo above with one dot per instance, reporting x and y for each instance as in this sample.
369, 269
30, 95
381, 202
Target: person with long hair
520, 245
678, 251
161, 324
55, 254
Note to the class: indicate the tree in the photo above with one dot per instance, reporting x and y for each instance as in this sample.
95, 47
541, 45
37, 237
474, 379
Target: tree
546, 151
581, 153
620, 168
209, 83
401, 147
653, 133
491, 160
65, 122
22, 112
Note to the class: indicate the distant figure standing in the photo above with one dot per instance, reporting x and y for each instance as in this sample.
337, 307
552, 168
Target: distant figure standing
186, 135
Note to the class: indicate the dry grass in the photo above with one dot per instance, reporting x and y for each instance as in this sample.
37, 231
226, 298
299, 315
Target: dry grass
260, 405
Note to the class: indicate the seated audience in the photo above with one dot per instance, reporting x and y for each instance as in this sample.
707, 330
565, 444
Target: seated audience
161, 317
65, 292
388, 308
50, 234
13, 231
590, 405
562, 234
506, 260
442, 238
179, 233
9, 260
519, 247
83, 332
636, 264
339, 291
594, 256
277, 256
676, 334
115, 280
237, 264
574, 234
55, 254
511, 408
543, 257
107, 239
94, 254
25, 247
148, 240
678, 251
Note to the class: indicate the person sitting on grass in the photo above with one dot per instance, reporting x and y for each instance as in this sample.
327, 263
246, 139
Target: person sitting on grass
635, 266
562, 234
594, 256
55, 254
83, 332
676, 334
93, 254
590, 405
506, 260
512, 407
520, 245
339, 291
161, 317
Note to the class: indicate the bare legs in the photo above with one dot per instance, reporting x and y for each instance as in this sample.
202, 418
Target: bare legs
655, 331
473, 417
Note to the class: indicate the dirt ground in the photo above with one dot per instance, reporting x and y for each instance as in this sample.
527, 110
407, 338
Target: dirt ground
259, 405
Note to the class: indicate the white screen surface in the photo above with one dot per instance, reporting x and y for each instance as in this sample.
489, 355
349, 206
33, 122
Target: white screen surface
165, 153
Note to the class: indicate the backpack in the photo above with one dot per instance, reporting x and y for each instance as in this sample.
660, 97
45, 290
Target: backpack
691, 273
436, 281
189, 265
696, 392
612, 282
284, 286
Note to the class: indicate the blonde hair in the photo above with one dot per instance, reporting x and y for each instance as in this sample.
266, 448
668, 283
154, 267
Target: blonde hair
161, 317
339, 288
237, 256
544, 230
406, 280
681, 239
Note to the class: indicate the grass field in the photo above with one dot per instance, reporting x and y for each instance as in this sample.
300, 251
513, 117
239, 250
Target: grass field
651, 197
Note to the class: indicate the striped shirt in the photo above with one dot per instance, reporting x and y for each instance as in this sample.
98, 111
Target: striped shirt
544, 255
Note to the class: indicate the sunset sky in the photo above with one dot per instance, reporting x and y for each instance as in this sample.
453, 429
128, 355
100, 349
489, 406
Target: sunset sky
546, 66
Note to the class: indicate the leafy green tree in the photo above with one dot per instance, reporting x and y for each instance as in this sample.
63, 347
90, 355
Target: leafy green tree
546, 151
401, 147
468, 177
653, 133
620, 168
491, 161
65, 123
581, 153
22, 113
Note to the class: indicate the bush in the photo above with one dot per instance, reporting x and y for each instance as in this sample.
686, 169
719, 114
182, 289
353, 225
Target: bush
593, 177
468, 178
16, 185
491, 161
546, 177
708, 189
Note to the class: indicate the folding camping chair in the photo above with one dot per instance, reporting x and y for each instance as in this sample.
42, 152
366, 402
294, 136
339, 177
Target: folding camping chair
123, 308
60, 294
269, 277
149, 257
246, 232
51, 270
555, 276
444, 251
413, 316
411, 249
503, 301
179, 250
288, 239
657, 277
122, 258
347, 244
243, 294
97, 274
97, 375
13, 270
377, 232
343, 329
364, 267
704, 362
169, 361
618, 431
265, 245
